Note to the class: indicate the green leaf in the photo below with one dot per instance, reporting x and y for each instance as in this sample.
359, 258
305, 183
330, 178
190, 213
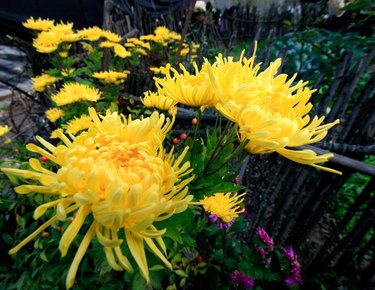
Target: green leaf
43, 257
181, 273
157, 268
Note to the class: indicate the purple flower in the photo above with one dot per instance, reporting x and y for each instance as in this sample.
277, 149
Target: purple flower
295, 270
261, 232
268, 260
242, 280
221, 225
262, 251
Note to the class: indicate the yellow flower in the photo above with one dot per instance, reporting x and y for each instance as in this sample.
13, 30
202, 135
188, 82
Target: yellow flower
152, 100
66, 73
87, 47
54, 114
78, 124
38, 24
270, 112
46, 42
161, 30
223, 205
111, 77
118, 175
91, 33
121, 51
113, 37
3, 130
107, 44
184, 88
65, 32
40, 82
75, 92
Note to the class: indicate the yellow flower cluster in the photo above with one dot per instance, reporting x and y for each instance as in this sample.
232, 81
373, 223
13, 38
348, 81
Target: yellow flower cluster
162, 35
271, 112
116, 175
155, 100
75, 92
57, 37
40, 82
54, 114
111, 77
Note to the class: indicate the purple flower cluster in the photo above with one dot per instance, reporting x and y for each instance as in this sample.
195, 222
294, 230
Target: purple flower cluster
295, 270
242, 280
221, 225
261, 232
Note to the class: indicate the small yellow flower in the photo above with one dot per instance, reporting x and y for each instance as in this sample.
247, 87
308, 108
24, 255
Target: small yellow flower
46, 42
3, 130
38, 24
155, 100
65, 32
113, 37
66, 73
78, 124
40, 82
121, 51
75, 92
161, 30
111, 77
116, 175
107, 44
54, 114
91, 33
224, 205
87, 47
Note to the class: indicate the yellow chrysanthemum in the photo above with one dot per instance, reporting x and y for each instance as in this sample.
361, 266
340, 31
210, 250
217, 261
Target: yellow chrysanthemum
38, 24
67, 72
107, 44
225, 206
87, 47
112, 77
46, 42
40, 82
184, 88
65, 32
75, 92
54, 114
270, 112
161, 30
121, 51
155, 100
118, 174
113, 37
3, 130
78, 124
91, 33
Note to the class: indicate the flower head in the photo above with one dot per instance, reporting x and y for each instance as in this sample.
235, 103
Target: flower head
3, 130
242, 280
78, 124
261, 232
92, 33
270, 112
155, 100
40, 82
223, 207
54, 114
111, 77
38, 24
118, 174
75, 92
295, 270
185, 88
47, 42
